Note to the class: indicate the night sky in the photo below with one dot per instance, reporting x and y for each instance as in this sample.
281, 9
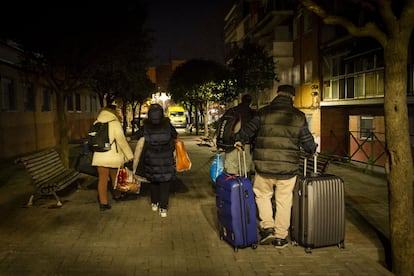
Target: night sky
183, 29
188, 29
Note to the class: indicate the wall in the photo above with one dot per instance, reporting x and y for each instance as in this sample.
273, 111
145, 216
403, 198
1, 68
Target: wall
21, 131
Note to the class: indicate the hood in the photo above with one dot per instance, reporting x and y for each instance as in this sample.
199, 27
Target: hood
106, 115
155, 114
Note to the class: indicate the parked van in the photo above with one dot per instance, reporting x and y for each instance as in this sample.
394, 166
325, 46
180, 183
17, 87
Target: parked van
177, 116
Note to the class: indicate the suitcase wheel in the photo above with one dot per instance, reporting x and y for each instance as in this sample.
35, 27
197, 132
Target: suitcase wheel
254, 245
341, 245
308, 250
236, 249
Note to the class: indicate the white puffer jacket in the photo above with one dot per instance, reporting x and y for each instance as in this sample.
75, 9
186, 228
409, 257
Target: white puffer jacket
120, 150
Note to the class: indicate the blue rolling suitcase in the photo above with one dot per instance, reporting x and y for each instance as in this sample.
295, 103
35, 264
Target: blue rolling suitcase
236, 210
318, 211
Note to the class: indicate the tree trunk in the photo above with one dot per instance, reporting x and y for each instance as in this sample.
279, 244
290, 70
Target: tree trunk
124, 116
63, 127
399, 164
206, 130
196, 118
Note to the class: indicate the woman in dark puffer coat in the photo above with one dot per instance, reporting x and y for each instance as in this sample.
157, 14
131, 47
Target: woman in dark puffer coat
157, 162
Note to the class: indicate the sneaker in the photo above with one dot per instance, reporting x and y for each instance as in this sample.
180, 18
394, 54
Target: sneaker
280, 243
163, 213
154, 207
104, 207
267, 236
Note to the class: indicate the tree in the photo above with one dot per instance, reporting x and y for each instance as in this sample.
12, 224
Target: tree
391, 24
252, 69
140, 92
61, 50
199, 81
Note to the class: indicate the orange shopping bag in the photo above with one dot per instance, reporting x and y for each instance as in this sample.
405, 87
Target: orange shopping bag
183, 162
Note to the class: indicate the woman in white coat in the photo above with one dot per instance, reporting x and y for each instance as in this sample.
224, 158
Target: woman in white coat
108, 162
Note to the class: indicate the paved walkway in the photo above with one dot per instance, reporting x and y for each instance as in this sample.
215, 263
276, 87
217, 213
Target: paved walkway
130, 239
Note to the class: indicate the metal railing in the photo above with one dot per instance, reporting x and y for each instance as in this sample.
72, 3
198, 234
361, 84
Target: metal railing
370, 146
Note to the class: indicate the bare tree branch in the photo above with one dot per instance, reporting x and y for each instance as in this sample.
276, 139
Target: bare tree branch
407, 16
389, 18
368, 30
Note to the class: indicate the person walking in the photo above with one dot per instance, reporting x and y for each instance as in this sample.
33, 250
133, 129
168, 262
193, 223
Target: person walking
230, 160
157, 162
108, 162
281, 131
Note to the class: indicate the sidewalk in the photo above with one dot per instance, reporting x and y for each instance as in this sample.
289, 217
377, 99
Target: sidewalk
130, 239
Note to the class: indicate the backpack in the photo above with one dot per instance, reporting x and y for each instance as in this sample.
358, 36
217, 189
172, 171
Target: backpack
228, 125
98, 137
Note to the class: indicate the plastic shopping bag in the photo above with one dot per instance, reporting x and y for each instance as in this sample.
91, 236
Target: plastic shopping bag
217, 167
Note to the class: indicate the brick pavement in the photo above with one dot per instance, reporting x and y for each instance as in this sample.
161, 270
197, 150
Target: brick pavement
130, 239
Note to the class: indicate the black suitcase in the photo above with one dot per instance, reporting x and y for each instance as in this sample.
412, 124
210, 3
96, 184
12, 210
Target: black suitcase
318, 211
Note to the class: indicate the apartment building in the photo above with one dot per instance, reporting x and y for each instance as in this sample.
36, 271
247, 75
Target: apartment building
28, 117
339, 79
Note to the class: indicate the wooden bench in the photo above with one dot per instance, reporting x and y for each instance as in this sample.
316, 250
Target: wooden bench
321, 164
47, 173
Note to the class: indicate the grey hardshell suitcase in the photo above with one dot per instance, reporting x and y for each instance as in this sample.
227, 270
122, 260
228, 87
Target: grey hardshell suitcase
318, 211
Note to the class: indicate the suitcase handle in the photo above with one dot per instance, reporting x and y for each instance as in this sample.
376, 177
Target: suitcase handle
315, 164
244, 163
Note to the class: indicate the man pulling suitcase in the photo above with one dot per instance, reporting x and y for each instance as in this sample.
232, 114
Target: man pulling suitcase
281, 131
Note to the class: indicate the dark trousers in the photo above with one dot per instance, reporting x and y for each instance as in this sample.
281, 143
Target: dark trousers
160, 193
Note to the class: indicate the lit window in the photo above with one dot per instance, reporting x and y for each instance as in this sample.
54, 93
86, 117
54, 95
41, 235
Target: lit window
296, 75
308, 71
366, 127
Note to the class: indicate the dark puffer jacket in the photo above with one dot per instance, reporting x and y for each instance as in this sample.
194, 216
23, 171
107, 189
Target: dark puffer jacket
281, 130
157, 162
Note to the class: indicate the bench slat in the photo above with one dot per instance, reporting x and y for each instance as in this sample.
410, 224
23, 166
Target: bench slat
47, 172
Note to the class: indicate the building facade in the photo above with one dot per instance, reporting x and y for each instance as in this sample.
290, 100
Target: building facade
28, 118
339, 79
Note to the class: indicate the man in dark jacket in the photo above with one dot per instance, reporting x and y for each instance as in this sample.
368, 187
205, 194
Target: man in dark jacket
281, 130
157, 161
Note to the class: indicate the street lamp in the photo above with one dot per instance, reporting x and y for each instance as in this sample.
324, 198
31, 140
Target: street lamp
163, 97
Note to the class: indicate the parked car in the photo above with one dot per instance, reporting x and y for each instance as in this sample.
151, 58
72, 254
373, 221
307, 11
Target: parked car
177, 115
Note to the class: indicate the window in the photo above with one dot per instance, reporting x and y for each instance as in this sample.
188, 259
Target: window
307, 21
286, 76
359, 86
296, 21
94, 104
87, 103
69, 102
8, 95
77, 102
29, 98
46, 101
309, 121
366, 127
296, 75
350, 88
308, 71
